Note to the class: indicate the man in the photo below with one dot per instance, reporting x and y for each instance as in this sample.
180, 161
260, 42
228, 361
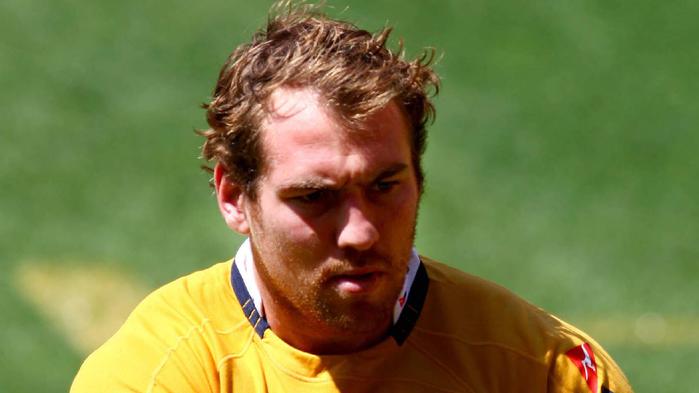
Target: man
317, 130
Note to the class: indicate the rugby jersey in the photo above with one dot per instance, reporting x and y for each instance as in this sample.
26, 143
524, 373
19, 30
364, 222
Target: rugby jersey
457, 333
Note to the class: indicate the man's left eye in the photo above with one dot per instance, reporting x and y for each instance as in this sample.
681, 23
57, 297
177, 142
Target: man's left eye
385, 186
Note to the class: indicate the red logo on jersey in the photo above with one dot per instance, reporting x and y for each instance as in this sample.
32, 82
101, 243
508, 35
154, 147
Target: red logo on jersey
584, 360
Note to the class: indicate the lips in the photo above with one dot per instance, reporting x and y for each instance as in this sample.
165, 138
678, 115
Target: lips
357, 282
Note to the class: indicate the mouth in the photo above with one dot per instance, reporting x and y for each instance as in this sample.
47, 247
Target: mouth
357, 282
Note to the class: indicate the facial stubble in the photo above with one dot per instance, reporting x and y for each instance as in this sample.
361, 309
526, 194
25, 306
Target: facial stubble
311, 298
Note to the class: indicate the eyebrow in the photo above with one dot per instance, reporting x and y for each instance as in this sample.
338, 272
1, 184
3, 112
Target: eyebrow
306, 184
391, 171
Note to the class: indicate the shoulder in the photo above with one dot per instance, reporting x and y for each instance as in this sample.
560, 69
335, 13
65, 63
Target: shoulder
488, 326
461, 299
196, 302
175, 332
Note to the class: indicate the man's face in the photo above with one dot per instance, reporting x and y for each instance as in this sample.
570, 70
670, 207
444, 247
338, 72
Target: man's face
333, 223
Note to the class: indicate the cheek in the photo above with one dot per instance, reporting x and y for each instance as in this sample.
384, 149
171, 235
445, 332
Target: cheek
290, 232
402, 207
397, 221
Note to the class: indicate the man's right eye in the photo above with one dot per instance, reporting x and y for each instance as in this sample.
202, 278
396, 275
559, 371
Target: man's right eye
311, 197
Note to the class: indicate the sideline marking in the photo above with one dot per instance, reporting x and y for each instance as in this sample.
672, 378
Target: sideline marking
86, 302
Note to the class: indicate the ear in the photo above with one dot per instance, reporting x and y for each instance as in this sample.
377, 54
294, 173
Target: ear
231, 201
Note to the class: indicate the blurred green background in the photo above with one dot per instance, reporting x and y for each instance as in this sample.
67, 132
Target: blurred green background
562, 163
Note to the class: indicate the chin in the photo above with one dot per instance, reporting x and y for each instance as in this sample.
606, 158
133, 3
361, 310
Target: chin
358, 314
363, 319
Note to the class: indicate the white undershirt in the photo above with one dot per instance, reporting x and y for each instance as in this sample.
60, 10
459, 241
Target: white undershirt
246, 266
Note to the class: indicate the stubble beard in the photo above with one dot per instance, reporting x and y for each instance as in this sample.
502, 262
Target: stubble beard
317, 304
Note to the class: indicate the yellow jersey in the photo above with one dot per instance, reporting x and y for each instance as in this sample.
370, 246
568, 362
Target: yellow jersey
457, 333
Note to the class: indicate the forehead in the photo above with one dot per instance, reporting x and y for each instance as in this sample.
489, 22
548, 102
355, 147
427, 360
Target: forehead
301, 133
307, 107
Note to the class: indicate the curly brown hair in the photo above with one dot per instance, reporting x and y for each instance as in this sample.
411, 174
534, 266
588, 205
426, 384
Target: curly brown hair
352, 69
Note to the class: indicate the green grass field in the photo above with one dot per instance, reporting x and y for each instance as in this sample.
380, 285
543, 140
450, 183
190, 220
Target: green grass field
563, 164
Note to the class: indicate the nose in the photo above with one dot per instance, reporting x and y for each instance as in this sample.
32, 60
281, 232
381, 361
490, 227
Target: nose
356, 229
